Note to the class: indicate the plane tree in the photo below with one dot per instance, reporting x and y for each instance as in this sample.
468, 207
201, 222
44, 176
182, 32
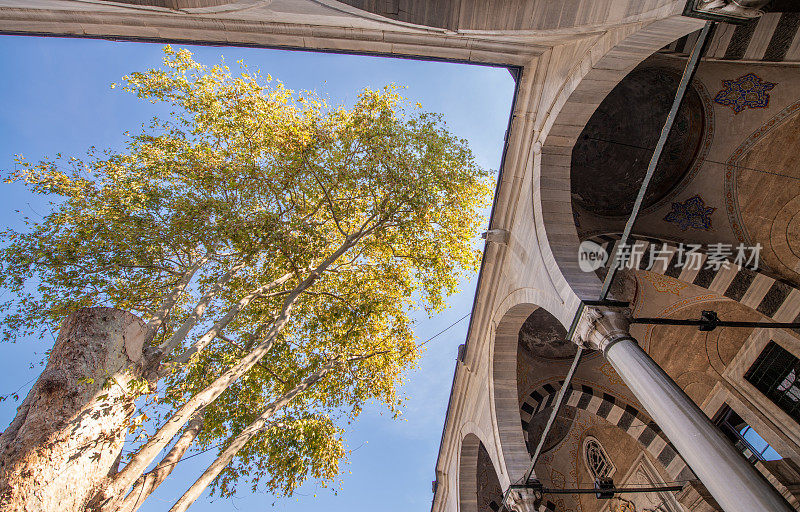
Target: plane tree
248, 266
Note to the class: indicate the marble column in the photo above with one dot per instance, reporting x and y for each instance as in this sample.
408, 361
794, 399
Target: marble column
732, 481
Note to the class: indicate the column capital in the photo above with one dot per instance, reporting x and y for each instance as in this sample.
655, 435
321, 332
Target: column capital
599, 328
522, 500
736, 8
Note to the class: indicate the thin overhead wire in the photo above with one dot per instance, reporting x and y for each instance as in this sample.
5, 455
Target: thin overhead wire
443, 330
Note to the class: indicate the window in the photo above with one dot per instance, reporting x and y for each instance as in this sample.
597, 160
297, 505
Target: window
597, 461
744, 437
775, 373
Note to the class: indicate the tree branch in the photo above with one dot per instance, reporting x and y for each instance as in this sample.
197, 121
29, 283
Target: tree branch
147, 453
170, 300
216, 467
150, 481
199, 310
223, 322
225, 458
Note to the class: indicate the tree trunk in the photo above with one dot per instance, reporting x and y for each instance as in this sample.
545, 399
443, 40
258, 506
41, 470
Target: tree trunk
69, 431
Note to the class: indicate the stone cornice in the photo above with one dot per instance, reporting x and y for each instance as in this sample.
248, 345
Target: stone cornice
363, 36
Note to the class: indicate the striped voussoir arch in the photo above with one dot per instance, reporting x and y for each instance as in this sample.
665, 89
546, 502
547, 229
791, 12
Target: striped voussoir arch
547, 506
772, 298
621, 414
774, 37
634, 423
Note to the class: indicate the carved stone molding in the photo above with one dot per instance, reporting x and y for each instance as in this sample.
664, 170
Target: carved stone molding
599, 328
522, 500
736, 8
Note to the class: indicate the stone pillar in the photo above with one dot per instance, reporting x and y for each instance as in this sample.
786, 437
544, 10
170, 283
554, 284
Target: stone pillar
732, 481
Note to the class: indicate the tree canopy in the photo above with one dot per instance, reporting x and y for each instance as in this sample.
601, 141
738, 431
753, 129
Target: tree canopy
275, 245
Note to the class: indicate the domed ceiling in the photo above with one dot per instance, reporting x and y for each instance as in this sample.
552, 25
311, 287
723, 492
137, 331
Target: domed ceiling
542, 335
561, 426
612, 153
765, 181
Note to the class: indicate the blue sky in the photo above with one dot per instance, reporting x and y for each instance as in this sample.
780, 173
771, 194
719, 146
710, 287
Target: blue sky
56, 98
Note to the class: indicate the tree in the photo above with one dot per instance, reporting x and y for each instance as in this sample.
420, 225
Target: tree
273, 245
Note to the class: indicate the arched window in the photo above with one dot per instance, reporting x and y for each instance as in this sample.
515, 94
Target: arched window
597, 461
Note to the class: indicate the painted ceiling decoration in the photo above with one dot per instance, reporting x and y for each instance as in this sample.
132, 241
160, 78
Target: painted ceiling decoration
664, 284
747, 91
691, 214
765, 206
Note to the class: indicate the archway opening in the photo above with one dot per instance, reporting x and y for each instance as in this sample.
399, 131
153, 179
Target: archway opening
479, 486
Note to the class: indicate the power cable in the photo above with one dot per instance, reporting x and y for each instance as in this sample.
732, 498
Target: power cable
443, 331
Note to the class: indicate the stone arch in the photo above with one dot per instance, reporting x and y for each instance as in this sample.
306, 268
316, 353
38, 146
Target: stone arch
775, 299
608, 239
503, 395
468, 474
477, 475
620, 414
605, 65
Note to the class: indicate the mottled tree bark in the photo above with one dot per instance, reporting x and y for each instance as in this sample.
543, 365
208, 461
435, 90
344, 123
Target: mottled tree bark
69, 431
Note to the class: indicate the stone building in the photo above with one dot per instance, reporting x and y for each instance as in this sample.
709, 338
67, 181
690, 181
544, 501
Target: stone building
714, 412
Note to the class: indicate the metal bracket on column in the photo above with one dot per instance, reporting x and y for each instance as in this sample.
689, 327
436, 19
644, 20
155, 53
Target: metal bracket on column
604, 488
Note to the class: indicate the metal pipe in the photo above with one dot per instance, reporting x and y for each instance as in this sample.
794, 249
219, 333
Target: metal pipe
688, 73
615, 490
556, 406
718, 323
